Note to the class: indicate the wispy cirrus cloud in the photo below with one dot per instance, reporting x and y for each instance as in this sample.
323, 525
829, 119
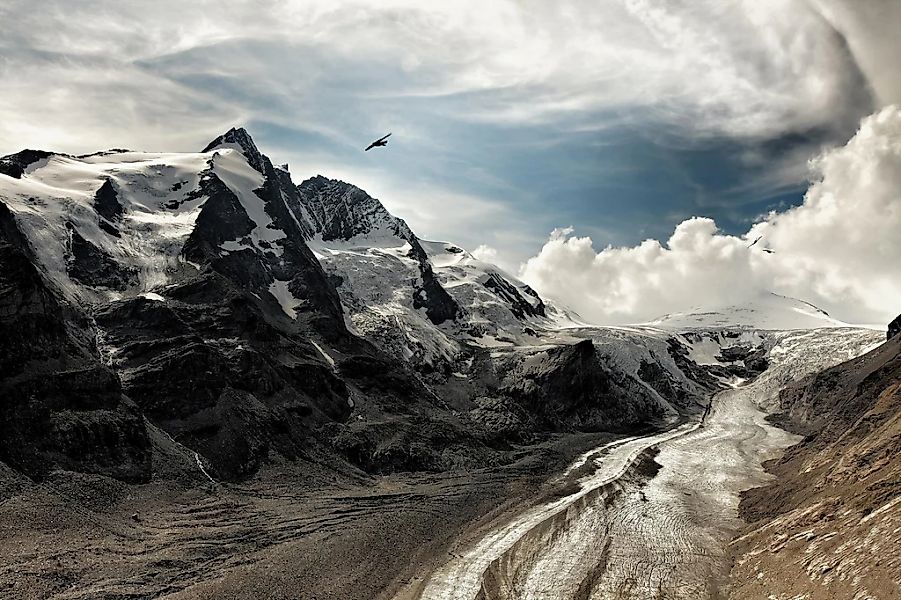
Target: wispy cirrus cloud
572, 110
738, 68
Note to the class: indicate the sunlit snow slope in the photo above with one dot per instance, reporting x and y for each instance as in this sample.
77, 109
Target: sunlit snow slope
418, 299
767, 311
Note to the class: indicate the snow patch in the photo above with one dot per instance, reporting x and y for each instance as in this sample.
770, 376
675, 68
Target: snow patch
279, 290
766, 312
231, 167
326, 356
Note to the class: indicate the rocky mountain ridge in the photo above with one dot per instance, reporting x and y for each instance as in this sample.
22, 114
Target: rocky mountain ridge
254, 321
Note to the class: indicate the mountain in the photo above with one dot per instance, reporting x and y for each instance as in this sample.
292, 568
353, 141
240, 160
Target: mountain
207, 364
765, 312
829, 525
385, 274
179, 289
201, 307
62, 407
380, 269
511, 361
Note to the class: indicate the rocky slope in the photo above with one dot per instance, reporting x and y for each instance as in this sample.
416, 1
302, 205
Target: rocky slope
61, 407
828, 526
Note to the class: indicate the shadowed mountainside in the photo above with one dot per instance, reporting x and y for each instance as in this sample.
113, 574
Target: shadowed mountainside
829, 526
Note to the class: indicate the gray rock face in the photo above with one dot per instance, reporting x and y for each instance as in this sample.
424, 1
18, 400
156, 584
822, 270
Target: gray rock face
519, 305
341, 211
571, 388
106, 202
14, 165
208, 367
894, 328
60, 406
223, 218
238, 137
91, 266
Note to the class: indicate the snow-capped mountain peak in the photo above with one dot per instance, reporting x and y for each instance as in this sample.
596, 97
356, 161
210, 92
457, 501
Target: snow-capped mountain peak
118, 224
237, 138
387, 274
768, 311
341, 211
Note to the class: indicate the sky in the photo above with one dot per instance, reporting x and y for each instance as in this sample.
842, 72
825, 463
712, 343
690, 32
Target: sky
520, 128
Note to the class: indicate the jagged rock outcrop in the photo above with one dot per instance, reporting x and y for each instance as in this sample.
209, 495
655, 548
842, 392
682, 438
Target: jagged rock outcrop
894, 328
106, 202
253, 263
237, 137
341, 211
14, 165
519, 306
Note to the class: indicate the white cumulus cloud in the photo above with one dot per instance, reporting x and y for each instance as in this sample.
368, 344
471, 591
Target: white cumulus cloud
840, 249
486, 253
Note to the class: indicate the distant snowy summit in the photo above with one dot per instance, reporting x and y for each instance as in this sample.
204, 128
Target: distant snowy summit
767, 311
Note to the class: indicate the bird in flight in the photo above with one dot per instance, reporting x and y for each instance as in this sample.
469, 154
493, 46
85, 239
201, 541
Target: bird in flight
382, 141
767, 250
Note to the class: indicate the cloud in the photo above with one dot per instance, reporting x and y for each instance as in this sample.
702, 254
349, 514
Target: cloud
871, 31
486, 253
839, 249
500, 109
755, 69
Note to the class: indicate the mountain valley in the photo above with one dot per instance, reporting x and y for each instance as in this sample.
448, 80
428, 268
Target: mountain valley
220, 383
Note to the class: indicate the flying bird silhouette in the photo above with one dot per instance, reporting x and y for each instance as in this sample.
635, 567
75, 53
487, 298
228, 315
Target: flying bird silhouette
755, 241
382, 141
